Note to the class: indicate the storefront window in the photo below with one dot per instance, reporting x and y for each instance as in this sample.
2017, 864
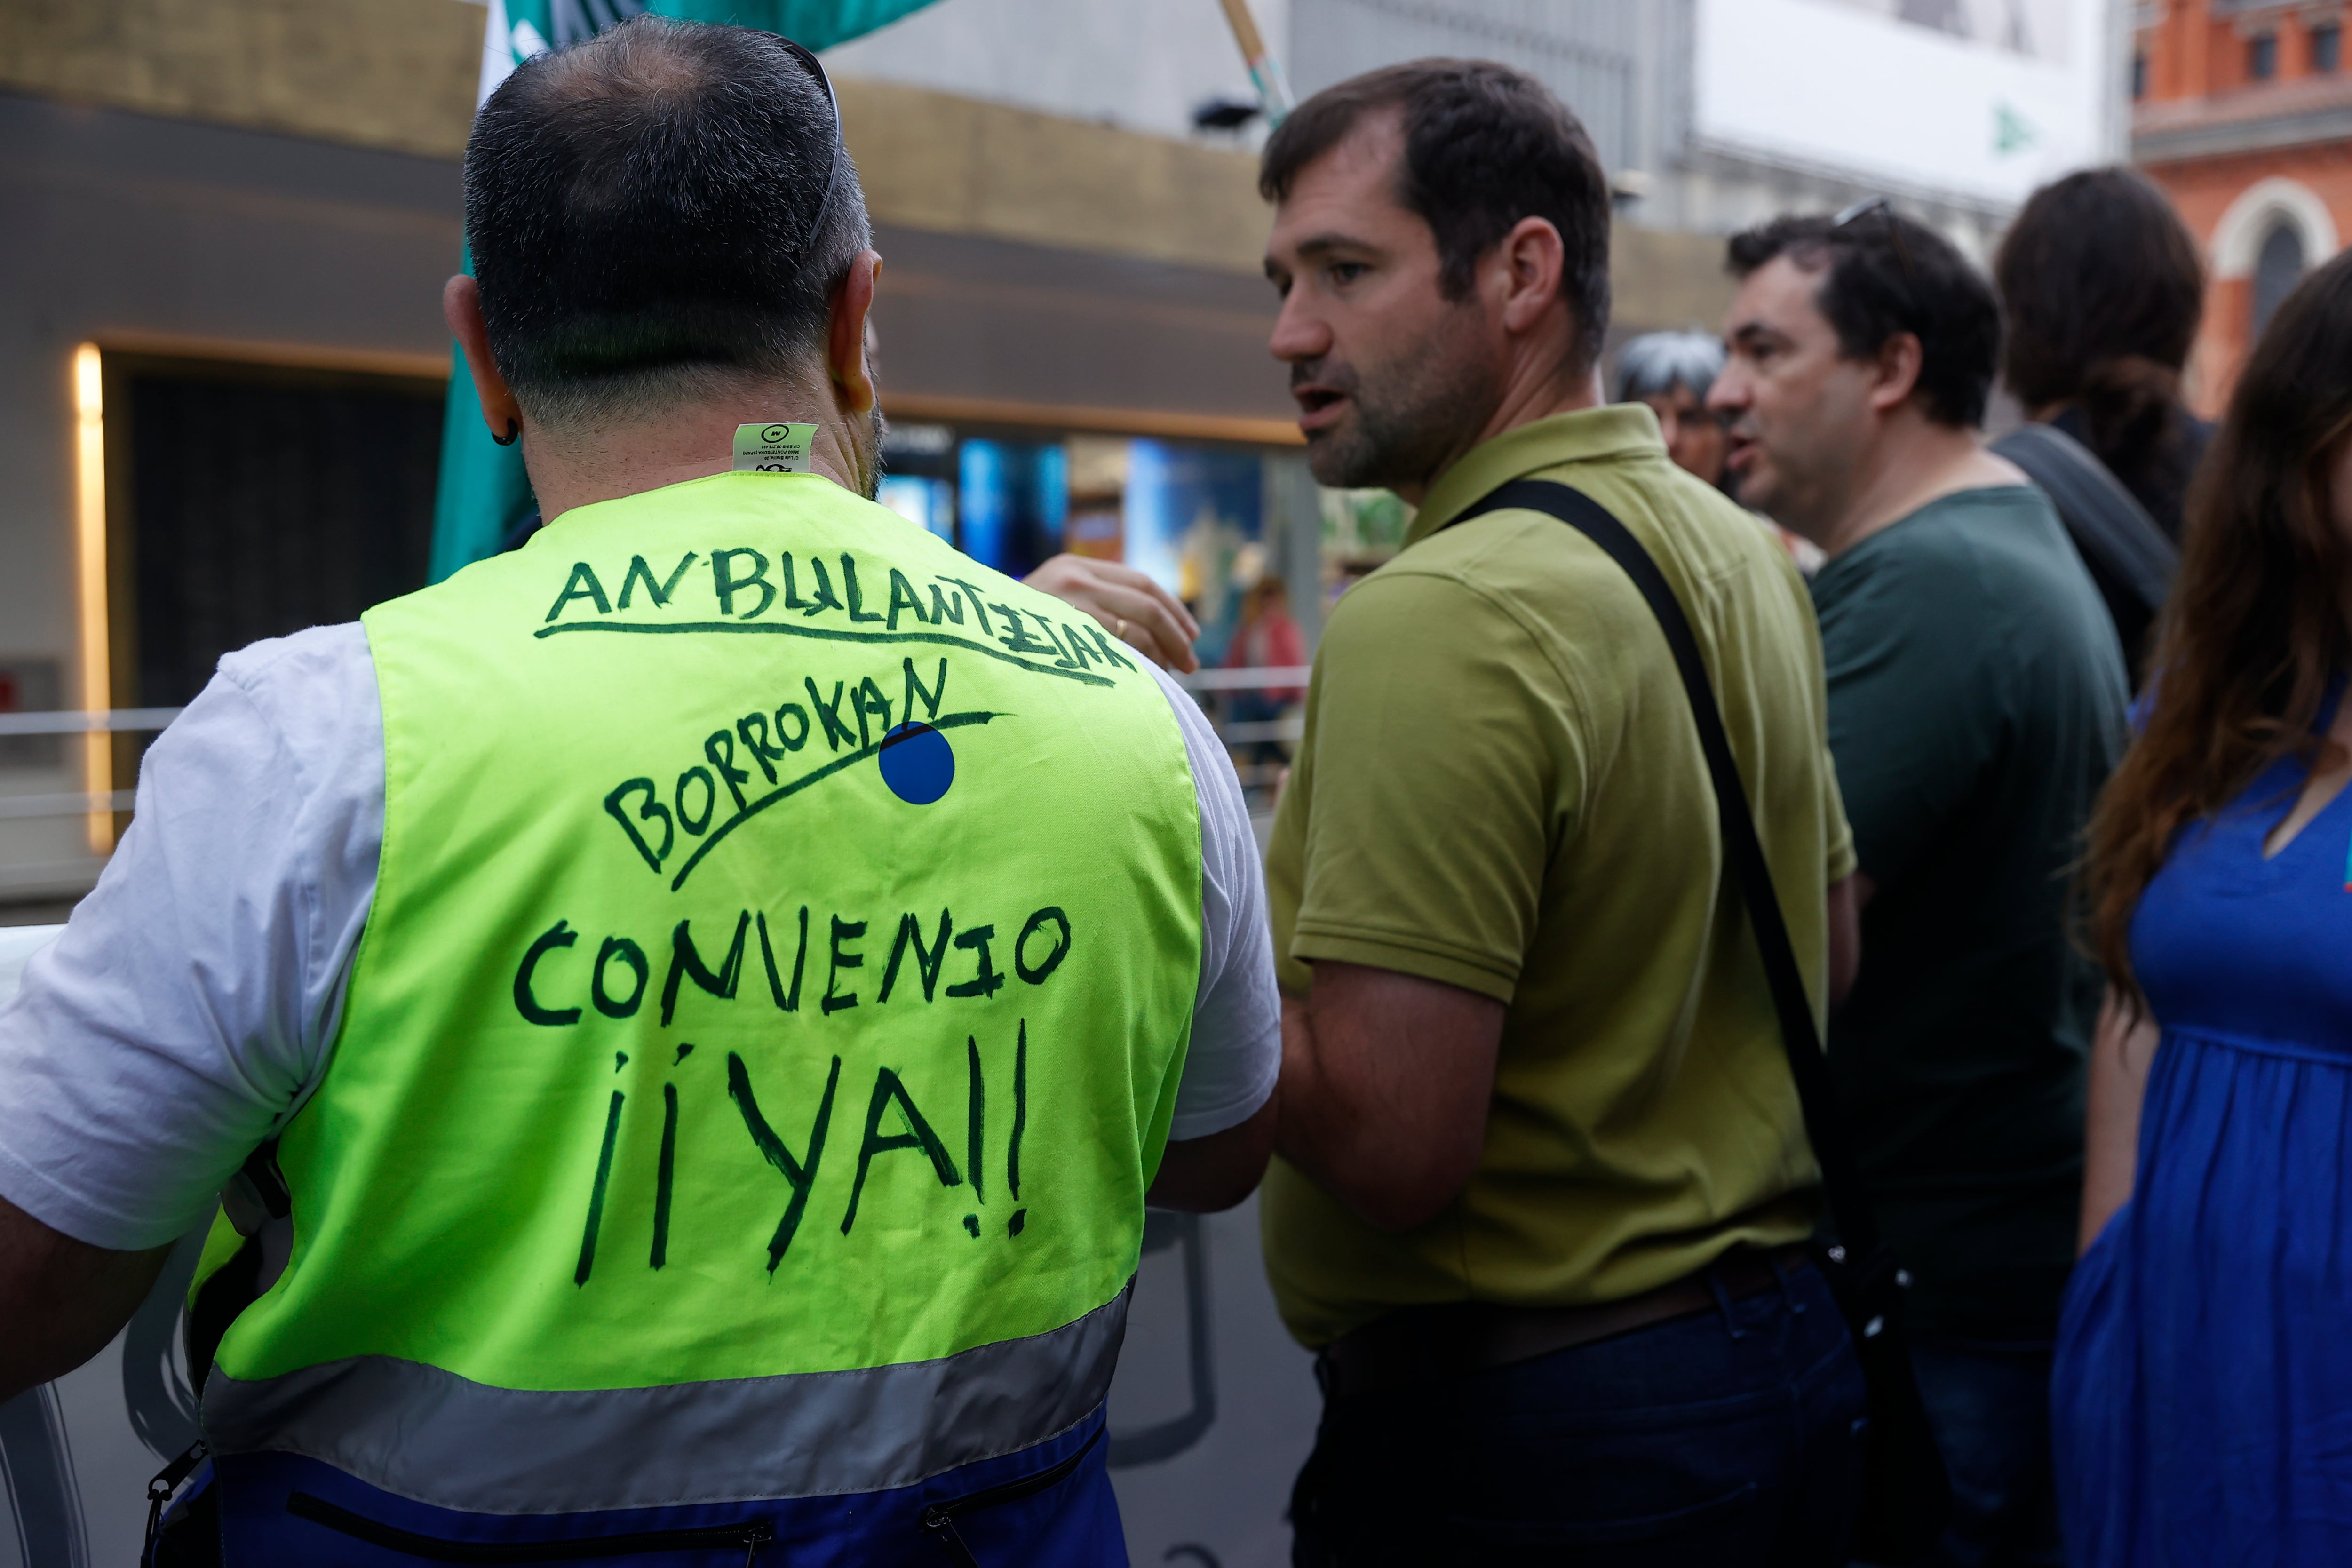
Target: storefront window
1360, 529
1195, 520
919, 477
1013, 498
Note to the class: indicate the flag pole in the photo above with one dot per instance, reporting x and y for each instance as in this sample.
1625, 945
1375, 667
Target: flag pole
1266, 71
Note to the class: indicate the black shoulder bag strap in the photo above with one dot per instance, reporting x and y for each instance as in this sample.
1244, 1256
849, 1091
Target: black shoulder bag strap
1907, 1495
1824, 1125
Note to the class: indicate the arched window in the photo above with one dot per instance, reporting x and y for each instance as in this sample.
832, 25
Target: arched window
2277, 269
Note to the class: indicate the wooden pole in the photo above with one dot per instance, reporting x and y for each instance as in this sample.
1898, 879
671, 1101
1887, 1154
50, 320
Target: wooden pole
1266, 71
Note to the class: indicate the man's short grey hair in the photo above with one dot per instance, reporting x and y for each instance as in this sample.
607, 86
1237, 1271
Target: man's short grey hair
658, 214
1654, 363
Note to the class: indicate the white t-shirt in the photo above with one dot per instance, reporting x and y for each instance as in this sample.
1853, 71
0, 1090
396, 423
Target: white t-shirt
188, 1006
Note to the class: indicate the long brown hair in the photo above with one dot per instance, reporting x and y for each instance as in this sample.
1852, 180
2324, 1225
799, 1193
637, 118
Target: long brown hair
2254, 629
2103, 288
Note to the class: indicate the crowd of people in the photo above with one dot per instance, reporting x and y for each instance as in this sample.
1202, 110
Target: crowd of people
2172, 1397
2027, 797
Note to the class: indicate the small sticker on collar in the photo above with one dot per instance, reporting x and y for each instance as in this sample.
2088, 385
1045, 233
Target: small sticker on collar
774, 448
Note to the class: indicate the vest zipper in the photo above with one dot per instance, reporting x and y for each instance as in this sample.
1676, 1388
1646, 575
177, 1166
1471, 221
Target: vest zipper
940, 1517
159, 1495
434, 1547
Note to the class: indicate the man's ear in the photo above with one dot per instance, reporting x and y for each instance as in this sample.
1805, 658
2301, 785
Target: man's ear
461, 307
845, 336
1529, 263
1900, 361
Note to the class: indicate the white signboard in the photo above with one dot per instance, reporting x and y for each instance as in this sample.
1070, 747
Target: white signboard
1979, 99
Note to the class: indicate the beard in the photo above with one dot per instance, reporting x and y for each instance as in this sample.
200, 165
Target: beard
1801, 489
866, 452
1405, 420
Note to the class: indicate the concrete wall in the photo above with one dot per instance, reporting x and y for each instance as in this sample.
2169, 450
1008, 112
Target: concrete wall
393, 74
274, 179
971, 325
1138, 65
400, 75
959, 165
1053, 123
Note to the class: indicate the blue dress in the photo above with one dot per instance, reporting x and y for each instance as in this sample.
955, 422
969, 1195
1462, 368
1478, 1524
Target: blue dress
2202, 1396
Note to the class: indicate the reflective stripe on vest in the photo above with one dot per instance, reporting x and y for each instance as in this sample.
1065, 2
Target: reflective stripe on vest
433, 1436
763, 1033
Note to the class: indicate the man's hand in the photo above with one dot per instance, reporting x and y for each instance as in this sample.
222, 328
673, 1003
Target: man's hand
1386, 1081
1130, 605
1203, 1175
61, 1299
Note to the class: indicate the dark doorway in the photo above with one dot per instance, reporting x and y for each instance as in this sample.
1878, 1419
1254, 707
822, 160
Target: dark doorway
2277, 269
248, 502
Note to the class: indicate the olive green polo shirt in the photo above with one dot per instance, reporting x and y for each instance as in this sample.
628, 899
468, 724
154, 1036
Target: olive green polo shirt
1501, 788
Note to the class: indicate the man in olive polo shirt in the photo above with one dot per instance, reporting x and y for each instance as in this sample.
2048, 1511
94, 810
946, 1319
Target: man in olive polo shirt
1543, 1171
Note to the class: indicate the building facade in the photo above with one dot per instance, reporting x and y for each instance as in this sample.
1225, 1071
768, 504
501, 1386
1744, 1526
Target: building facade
234, 219
229, 225
2243, 113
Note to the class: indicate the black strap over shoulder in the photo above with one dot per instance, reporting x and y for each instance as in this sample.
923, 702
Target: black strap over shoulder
2119, 542
1907, 1496
1825, 1122
2131, 560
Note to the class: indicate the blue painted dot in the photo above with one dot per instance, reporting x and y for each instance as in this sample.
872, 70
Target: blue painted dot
917, 764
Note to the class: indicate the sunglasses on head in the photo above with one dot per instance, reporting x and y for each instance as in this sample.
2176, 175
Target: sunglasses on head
1882, 209
833, 144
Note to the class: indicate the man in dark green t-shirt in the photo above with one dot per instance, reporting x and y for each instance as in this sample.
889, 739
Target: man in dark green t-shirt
1976, 704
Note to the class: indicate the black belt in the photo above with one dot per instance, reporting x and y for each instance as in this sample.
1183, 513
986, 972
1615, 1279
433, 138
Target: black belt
1417, 1345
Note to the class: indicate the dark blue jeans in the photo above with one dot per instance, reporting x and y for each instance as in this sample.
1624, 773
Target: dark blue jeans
1731, 1437
1989, 1403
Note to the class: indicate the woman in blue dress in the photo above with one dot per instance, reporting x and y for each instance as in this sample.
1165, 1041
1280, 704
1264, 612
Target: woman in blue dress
2202, 1391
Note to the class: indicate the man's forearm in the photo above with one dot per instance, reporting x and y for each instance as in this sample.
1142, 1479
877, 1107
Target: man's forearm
1386, 1081
1302, 1135
61, 1299
1206, 1175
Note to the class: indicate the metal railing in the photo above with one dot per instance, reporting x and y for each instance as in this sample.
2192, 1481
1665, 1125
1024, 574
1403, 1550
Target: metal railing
78, 804
72, 721
1258, 776
1275, 678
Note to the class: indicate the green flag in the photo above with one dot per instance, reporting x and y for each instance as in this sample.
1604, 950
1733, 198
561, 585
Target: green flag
485, 494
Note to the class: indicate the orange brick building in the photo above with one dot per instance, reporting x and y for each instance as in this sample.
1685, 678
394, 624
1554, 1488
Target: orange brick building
2242, 111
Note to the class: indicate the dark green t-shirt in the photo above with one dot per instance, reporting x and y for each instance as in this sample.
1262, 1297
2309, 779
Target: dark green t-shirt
1977, 703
